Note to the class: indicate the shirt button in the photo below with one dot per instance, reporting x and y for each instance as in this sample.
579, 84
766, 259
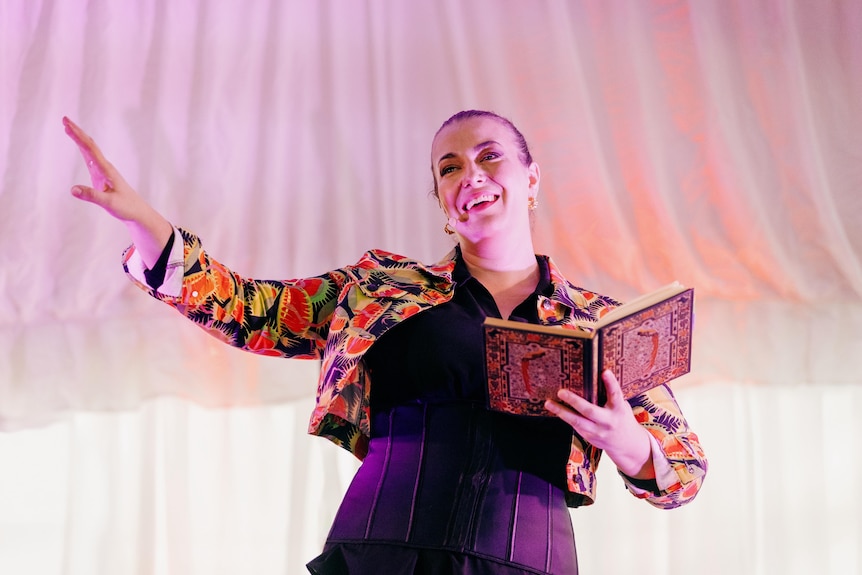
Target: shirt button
194, 294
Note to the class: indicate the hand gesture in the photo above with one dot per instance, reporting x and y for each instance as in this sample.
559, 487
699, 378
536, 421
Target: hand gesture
109, 190
149, 230
612, 427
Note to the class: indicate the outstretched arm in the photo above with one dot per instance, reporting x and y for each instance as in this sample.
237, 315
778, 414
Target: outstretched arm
285, 318
148, 228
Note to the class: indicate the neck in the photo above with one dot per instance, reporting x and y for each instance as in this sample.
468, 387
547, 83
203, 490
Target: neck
501, 267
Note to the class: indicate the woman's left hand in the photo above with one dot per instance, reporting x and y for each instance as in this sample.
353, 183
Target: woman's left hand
611, 428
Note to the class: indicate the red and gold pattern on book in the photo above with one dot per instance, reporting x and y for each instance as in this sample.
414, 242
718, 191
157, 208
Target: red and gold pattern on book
527, 364
650, 347
525, 368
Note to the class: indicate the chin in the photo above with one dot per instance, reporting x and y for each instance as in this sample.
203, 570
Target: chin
490, 231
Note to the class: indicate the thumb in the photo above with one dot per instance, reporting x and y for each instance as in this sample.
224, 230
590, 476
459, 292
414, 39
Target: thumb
85, 193
612, 388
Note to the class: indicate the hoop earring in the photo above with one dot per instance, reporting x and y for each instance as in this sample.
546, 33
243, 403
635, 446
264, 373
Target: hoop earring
448, 229
532, 204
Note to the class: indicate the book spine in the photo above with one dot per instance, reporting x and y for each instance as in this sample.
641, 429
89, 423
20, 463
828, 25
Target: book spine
597, 388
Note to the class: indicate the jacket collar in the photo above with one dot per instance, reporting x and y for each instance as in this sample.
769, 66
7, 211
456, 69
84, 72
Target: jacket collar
557, 299
382, 274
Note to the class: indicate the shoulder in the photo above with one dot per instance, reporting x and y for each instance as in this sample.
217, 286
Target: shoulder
381, 272
377, 258
386, 261
382, 258
587, 304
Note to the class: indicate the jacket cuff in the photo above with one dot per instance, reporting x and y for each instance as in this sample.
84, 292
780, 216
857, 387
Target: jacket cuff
172, 284
665, 475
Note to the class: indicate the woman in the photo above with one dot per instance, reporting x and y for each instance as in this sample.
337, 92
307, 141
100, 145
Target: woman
446, 486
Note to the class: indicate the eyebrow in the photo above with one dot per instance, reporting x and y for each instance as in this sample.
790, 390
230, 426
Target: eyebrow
479, 146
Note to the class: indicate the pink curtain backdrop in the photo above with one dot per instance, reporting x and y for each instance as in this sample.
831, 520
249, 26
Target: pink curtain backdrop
713, 142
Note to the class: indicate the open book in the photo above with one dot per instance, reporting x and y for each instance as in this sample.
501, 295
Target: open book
645, 342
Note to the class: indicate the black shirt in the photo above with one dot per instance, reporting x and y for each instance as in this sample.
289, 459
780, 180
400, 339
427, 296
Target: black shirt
437, 356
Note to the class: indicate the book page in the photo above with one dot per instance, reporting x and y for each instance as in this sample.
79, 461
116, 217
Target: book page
572, 330
641, 302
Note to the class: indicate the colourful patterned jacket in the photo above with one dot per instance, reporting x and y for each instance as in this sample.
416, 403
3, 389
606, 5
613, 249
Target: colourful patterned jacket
337, 316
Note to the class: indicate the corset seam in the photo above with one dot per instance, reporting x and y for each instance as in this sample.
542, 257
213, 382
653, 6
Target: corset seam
514, 523
419, 474
472, 486
384, 472
550, 523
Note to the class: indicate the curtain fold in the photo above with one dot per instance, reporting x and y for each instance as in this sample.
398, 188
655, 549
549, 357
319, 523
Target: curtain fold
712, 142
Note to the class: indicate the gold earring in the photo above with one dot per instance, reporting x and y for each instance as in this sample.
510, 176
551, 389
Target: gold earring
532, 204
448, 229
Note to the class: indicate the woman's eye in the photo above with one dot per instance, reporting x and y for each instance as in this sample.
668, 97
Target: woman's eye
447, 170
490, 156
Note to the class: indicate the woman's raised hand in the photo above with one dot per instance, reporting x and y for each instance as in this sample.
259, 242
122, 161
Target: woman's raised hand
149, 230
109, 190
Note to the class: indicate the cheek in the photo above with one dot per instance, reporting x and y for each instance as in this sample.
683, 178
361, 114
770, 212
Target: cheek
446, 196
510, 178
442, 206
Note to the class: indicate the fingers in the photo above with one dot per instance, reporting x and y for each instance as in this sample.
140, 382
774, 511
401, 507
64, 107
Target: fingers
100, 169
612, 388
587, 417
574, 401
85, 193
85, 143
568, 413
588, 409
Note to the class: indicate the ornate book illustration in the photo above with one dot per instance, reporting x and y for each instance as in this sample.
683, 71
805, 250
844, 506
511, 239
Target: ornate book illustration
646, 342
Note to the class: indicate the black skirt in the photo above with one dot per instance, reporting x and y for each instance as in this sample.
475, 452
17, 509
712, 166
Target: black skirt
438, 494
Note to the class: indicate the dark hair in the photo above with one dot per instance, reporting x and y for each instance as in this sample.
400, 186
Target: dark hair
523, 150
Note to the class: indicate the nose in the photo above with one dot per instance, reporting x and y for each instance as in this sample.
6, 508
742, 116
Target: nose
473, 175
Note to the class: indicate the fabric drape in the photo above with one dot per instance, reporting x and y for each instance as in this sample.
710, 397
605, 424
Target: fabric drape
713, 142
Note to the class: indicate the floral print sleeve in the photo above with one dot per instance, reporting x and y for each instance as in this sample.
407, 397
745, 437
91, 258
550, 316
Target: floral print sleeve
277, 318
677, 455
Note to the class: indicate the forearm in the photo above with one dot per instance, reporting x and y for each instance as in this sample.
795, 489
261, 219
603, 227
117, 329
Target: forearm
150, 232
286, 318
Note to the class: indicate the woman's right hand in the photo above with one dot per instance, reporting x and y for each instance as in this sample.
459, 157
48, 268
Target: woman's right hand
149, 229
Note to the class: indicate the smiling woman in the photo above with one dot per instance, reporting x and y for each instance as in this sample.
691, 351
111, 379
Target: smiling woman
485, 181
446, 485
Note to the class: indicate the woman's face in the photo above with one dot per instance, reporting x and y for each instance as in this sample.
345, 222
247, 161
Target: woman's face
481, 181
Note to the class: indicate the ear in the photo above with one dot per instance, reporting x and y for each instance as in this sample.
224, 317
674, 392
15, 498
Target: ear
533, 176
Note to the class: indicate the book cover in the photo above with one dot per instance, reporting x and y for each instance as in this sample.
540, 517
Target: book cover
645, 343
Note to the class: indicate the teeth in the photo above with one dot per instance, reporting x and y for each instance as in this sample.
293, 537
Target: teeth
479, 200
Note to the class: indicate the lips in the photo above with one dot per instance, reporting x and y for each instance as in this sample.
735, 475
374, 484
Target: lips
479, 200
